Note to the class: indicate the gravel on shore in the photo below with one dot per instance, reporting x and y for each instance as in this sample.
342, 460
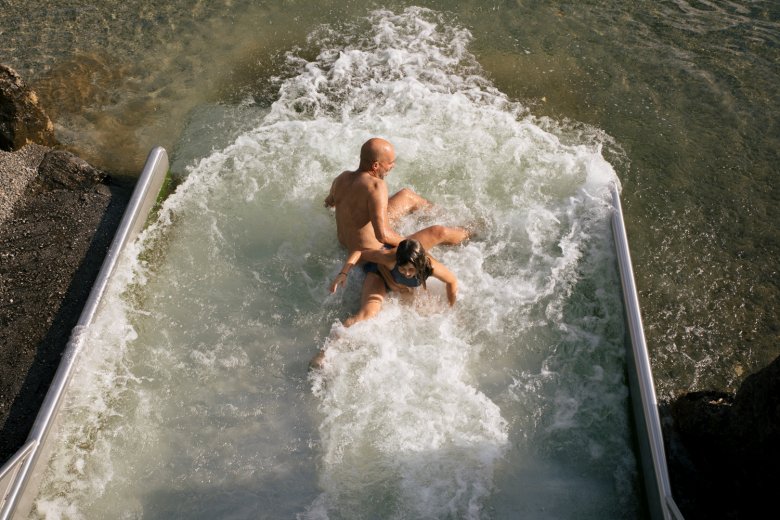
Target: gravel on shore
52, 244
17, 169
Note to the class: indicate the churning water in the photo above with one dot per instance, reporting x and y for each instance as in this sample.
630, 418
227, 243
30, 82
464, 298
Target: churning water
192, 399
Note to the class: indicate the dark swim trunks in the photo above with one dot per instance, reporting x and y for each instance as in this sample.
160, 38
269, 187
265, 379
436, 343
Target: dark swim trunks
371, 267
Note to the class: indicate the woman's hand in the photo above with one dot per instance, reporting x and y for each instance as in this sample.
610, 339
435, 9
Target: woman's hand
340, 280
445, 275
452, 292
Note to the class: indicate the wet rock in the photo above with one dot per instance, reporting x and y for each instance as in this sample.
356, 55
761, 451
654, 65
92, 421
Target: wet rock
17, 169
22, 120
58, 215
63, 170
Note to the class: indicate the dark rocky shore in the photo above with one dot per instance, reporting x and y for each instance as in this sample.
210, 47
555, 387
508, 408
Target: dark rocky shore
58, 216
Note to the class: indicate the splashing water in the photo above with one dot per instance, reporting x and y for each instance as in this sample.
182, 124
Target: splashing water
193, 398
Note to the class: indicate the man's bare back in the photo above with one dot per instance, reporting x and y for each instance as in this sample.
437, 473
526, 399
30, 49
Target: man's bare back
363, 210
360, 200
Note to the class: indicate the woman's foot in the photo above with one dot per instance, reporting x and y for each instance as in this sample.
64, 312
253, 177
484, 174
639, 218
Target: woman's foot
318, 361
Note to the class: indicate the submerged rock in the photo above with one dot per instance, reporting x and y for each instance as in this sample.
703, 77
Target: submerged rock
22, 120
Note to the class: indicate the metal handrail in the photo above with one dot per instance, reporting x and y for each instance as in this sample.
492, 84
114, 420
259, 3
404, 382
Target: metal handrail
144, 196
11, 468
647, 397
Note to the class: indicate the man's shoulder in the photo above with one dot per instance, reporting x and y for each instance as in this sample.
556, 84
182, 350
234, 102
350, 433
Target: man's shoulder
342, 177
356, 180
370, 182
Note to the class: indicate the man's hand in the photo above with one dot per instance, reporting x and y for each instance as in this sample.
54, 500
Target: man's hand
330, 201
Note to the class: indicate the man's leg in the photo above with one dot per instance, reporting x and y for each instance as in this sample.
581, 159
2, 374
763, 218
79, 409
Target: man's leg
435, 235
371, 299
404, 202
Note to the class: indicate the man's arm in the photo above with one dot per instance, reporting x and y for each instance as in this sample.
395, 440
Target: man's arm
377, 209
330, 200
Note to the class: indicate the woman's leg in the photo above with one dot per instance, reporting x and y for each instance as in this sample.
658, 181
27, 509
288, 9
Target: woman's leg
371, 299
435, 235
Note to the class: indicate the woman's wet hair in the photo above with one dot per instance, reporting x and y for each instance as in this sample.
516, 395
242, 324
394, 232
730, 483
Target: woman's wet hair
410, 251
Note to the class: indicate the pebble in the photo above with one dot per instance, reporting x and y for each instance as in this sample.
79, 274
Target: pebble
17, 169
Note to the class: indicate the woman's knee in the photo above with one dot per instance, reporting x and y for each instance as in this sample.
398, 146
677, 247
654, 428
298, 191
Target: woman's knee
364, 313
431, 236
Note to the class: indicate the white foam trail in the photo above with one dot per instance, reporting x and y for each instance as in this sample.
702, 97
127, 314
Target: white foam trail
400, 411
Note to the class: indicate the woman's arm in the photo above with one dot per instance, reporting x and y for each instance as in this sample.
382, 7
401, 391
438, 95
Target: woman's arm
341, 279
384, 257
445, 275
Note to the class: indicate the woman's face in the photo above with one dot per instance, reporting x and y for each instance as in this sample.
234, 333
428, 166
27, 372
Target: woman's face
407, 270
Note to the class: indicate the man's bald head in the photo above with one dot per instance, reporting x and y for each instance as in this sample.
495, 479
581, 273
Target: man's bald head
377, 150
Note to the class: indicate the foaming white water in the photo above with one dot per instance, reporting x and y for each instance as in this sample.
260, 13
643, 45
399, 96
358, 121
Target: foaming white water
404, 422
196, 401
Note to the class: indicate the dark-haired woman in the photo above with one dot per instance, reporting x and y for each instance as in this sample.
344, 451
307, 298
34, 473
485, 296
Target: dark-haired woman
402, 269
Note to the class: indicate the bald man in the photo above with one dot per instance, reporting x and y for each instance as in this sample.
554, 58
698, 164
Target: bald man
363, 208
